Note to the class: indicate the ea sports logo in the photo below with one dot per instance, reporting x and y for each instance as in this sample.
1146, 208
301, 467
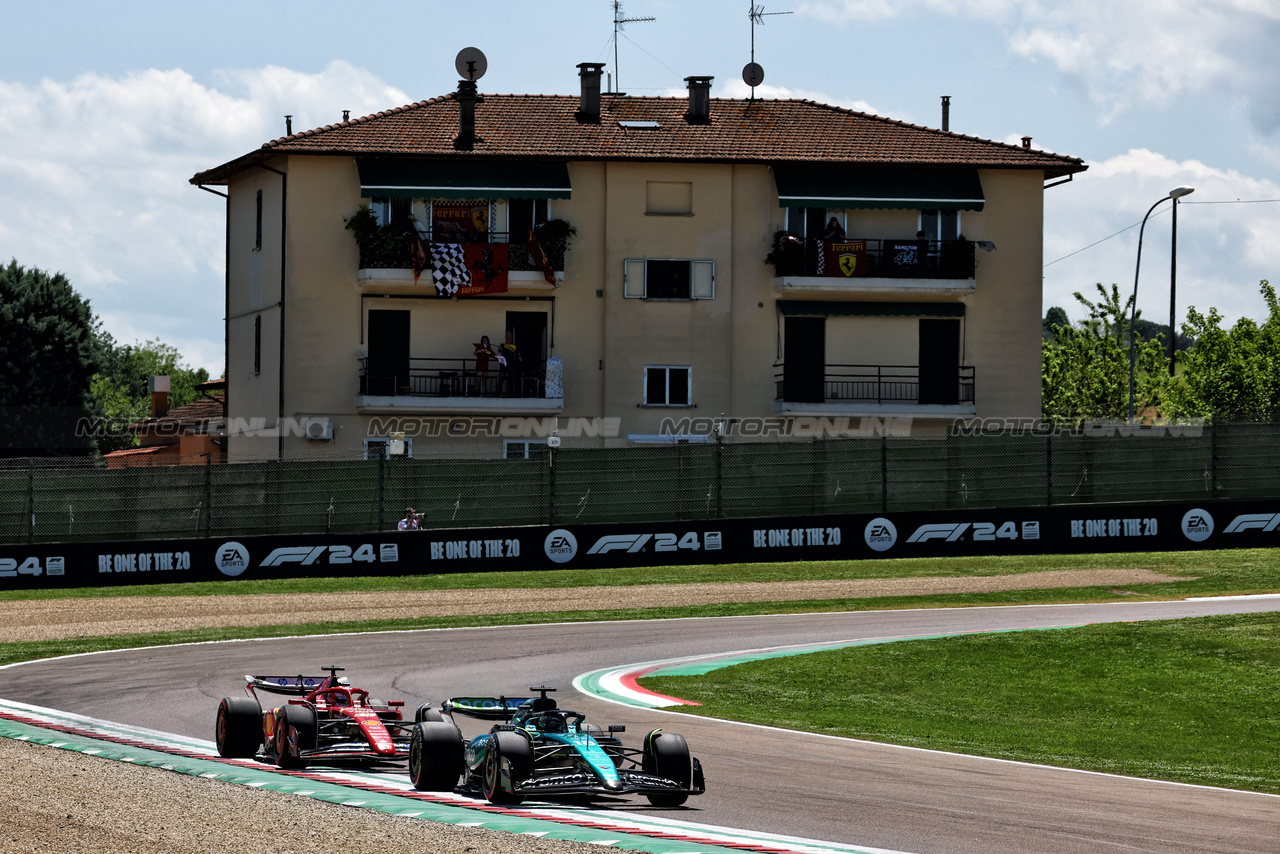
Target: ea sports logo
880, 534
1197, 525
561, 545
231, 559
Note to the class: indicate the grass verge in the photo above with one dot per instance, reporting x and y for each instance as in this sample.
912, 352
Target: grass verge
1185, 700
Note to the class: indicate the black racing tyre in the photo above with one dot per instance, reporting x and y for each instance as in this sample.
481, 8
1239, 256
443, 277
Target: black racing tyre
303, 721
426, 713
667, 755
512, 750
238, 729
435, 756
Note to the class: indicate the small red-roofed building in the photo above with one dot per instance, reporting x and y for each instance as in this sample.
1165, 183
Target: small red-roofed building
775, 266
193, 434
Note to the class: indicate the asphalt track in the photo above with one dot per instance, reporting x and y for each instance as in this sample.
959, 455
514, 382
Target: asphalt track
776, 781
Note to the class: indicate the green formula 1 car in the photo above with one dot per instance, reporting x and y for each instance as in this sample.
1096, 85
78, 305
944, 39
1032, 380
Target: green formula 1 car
541, 751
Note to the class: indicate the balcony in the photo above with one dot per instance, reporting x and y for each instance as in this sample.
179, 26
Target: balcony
872, 266
896, 390
454, 386
386, 254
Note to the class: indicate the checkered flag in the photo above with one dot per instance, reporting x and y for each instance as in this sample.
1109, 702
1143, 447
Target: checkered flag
449, 268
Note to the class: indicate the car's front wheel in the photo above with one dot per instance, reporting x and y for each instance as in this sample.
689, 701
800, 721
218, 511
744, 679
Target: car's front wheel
508, 762
666, 754
302, 721
435, 756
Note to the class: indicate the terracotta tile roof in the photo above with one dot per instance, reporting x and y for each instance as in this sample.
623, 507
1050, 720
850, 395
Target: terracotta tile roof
547, 127
197, 414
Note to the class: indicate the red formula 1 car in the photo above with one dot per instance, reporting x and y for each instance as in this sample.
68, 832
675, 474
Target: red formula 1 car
326, 721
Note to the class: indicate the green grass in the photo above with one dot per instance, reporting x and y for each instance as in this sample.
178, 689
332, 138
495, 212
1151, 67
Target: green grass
1185, 700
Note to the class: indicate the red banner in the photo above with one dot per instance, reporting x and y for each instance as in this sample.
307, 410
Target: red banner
487, 263
844, 259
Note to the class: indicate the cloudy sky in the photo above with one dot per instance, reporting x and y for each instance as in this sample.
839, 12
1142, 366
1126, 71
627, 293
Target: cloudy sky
107, 109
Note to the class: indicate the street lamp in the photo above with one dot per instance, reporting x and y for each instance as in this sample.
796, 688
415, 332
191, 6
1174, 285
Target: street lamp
1175, 194
1173, 274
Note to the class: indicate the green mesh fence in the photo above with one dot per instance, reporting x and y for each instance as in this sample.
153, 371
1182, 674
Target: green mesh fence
60, 500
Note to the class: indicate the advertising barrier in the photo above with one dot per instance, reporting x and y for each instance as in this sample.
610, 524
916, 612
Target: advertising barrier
1023, 531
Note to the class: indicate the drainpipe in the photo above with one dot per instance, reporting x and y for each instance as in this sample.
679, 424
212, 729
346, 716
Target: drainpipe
284, 222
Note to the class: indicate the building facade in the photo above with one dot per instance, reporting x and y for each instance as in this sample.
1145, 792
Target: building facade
729, 262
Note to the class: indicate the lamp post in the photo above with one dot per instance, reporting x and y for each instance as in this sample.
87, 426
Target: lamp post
1175, 194
1173, 275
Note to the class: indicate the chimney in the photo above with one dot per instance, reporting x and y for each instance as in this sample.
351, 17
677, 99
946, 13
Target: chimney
467, 99
946, 112
589, 108
288, 125
346, 115
699, 100
1026, 142
159, 396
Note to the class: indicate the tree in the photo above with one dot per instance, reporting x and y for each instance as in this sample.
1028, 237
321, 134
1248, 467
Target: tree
122, 391
1232, 374
48, 354
1085, 368
1055, 316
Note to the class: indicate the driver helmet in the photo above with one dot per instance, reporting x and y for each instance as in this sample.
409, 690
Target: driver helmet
553, 723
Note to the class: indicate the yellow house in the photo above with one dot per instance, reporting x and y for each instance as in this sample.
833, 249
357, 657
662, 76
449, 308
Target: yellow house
369, 261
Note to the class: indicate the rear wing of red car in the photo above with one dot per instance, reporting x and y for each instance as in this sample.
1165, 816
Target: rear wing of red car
485, 708
297, 685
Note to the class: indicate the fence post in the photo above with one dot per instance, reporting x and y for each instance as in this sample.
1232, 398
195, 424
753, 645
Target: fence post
31, 500
382, 485
1048, 465
208, 495
551, 484
884, 469
1213, 457
719, 472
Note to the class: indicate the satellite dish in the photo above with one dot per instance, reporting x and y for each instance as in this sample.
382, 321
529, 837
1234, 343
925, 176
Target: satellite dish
471, 64
752, 74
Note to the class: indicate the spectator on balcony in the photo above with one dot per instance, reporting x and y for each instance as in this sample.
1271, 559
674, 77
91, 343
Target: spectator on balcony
484, 352
509, 368
834, 232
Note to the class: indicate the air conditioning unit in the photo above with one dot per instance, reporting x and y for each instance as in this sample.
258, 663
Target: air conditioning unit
320, 429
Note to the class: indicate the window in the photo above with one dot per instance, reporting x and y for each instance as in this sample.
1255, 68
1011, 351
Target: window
668, 278
668, 198
940, 225
667, 385
376, 448
257, 240
524, 215
257, 344
389, 211
520, 449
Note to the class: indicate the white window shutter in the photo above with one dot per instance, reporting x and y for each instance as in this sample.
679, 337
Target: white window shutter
633, 278
703, 283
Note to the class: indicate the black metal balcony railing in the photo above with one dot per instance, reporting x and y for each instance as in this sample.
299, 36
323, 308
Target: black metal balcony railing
876, 384
883, 259
453, 378
394, 250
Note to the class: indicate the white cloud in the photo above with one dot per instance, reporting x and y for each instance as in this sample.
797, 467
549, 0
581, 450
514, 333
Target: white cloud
94, 183
1226, 234
1122, 54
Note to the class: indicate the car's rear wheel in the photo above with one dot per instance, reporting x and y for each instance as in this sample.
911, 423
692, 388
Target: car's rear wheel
435, 756
303, 722
666, 754
426, 713
508, 762
238, 729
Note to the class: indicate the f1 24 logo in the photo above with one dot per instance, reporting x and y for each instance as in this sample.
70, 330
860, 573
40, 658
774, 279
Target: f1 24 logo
1253, 522
632, 543
982, 531
309, 555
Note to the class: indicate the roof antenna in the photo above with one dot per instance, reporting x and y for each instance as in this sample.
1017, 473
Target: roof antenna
753, 75
618, 24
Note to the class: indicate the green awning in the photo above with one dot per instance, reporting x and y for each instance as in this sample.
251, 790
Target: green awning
464, 179
840, 185
833, 308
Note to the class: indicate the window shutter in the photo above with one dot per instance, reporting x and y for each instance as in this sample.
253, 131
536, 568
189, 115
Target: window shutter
633, 278
703, 285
